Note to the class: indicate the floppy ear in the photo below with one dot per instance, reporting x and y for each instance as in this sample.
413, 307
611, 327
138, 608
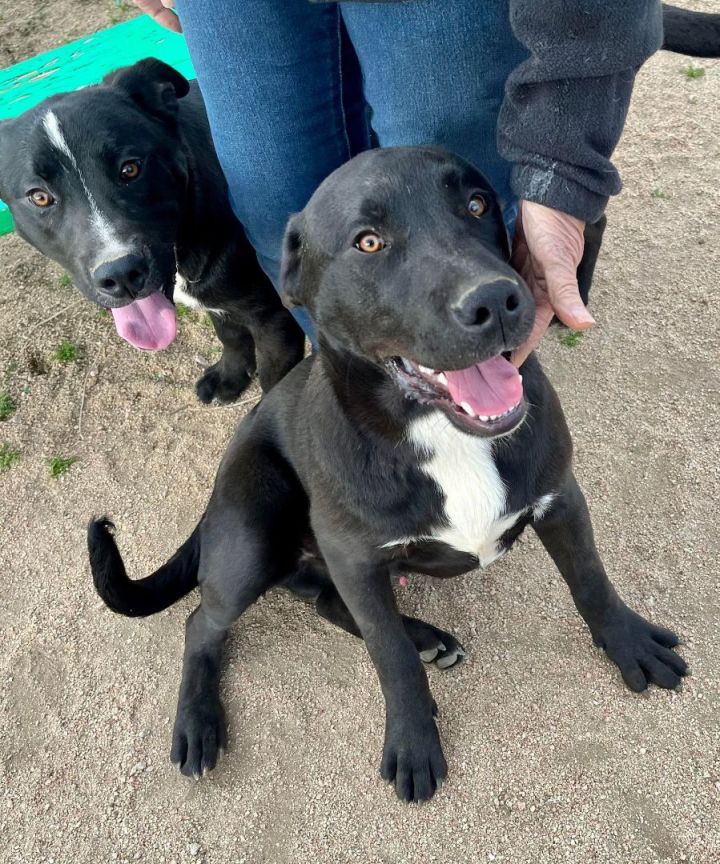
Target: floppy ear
292, 268
4, 148
153, 85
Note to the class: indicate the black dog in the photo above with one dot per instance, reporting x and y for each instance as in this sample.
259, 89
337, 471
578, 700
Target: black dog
367, 459
137, 211
120, 184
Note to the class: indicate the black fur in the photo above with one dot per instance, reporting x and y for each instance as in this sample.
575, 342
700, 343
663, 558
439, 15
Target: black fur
174, 217
321, 476
688, 32
140, 597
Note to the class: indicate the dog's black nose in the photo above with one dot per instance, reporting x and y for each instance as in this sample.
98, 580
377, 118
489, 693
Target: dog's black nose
123, 277
489, 304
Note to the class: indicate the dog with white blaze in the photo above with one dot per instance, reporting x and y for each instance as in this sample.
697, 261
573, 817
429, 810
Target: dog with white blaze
119, 183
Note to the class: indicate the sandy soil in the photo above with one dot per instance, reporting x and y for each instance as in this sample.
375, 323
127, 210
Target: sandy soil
551, 759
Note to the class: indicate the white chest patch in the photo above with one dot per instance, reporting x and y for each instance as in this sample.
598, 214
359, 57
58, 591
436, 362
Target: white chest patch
182, 295
475, 497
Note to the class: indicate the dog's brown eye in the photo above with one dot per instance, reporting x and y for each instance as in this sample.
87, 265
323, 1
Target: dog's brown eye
130, 170
40, 197
477, 206
370, 242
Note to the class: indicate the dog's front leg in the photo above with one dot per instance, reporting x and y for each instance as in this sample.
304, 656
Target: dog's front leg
412, 757
229, 377
641, 650
279, 345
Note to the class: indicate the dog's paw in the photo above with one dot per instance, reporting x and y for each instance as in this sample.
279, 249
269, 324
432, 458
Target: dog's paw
434, 645
199, 738
218, 384
642, 651
413, 760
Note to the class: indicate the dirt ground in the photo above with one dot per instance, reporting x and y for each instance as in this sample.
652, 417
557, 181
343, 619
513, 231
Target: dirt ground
551, 758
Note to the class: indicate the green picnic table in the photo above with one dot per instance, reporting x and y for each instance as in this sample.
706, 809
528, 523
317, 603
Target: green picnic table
82, 63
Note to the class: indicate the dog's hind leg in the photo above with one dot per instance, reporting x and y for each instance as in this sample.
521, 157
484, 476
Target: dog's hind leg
432, 644
229, 377
239, 561
311, 581
199, 735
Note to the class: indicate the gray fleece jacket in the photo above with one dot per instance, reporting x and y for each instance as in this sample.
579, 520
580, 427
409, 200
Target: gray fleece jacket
565, 106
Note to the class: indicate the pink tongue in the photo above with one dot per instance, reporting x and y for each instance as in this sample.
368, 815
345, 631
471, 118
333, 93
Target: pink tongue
490, 388
148, 323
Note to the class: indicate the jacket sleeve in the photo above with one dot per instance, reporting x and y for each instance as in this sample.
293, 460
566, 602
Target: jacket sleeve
565, 105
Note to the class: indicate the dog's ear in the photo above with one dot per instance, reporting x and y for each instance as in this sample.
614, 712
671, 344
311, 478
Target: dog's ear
4, 148
292, 268
153, 85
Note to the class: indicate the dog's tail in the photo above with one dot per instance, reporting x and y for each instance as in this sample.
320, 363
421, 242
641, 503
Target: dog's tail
693, 33
140, 597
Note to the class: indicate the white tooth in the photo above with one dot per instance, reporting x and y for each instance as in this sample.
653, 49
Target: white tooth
441, 378
520, 377
494, 416
425, 370
406, 365
484, 419
467, 409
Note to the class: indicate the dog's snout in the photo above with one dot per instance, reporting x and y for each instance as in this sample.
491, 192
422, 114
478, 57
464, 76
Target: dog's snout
123, 277
499, 301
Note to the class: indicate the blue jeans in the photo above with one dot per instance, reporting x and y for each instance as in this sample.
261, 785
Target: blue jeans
289, 86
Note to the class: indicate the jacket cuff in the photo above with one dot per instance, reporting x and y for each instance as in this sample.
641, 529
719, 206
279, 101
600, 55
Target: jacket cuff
550, 187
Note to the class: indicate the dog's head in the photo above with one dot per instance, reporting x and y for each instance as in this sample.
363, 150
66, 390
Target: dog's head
401, 257
95, 179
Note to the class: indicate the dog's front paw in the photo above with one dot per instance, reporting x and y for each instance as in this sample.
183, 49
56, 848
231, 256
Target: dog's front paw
413, 760
199, 737
222, 385
642, 651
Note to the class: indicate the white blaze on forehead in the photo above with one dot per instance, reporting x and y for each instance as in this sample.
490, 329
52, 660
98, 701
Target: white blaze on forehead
55, 134
110, 245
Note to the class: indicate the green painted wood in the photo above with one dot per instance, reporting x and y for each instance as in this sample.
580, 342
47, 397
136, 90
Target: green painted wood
6, 222
84, 62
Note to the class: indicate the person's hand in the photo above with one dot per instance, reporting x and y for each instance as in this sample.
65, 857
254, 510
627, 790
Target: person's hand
160, 11
547, 250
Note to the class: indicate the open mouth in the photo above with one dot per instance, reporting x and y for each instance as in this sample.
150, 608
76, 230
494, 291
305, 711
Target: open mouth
484, 399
